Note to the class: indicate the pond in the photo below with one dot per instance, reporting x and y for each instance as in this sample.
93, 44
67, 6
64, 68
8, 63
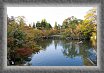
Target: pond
64, 53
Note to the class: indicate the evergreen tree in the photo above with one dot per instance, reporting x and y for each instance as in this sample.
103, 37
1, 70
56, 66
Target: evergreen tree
55, 26
33, 25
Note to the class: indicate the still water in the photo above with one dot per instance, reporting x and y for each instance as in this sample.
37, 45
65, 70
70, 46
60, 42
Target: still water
64, 53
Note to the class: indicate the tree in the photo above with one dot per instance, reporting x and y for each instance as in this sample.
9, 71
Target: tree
48, 26
10, 19
91, 19
33, 25
29, 25
12, 25
38, 24
59, 26
55, 26
65, 24
21, 21
71, 22
43, 23
91, 16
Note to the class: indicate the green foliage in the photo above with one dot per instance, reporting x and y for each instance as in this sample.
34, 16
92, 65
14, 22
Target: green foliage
43, 25
77, 28
23, 38
48, 26
20, 20
20, 36
38, 25
55, 26
91, 16
71, 22
33, 25
67, 32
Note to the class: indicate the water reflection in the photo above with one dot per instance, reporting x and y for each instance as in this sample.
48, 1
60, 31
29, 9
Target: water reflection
44, 43
70, 50
57, 53
64, 53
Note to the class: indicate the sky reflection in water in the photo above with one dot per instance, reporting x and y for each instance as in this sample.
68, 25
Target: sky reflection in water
62, 53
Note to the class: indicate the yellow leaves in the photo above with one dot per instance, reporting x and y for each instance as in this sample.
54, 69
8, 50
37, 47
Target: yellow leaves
91, 16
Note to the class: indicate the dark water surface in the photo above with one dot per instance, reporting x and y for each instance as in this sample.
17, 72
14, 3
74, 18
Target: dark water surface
64, 53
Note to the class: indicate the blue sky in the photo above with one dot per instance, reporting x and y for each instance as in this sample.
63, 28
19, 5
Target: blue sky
51, 14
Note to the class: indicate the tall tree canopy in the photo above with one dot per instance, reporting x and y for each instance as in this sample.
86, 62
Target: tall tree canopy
71, 22
91, 20
33, 25
91, 16
55, 26
43, 25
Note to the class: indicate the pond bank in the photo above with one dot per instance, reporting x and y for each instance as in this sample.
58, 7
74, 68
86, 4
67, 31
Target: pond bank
67, 38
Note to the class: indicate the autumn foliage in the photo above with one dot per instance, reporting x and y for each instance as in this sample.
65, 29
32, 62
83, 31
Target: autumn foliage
22, 38
23, 52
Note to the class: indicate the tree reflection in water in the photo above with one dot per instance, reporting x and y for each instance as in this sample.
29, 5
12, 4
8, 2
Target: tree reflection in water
69, 49
73, 49
44, 43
